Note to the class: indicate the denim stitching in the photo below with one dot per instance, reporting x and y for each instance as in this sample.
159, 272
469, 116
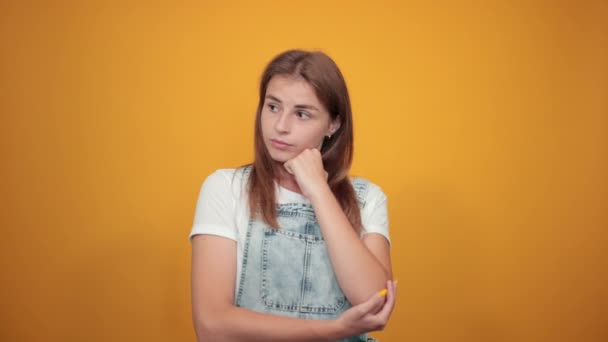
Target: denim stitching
244, 265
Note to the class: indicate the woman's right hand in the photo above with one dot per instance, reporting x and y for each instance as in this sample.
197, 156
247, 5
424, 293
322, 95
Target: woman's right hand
370, 315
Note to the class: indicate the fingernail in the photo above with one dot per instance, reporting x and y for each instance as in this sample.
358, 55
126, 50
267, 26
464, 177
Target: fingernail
382, 293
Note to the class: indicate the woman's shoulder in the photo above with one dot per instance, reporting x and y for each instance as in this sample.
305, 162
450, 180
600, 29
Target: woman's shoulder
229, 174
366, 188
226, 179
356, 180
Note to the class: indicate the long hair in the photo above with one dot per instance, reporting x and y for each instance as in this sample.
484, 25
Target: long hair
322, 73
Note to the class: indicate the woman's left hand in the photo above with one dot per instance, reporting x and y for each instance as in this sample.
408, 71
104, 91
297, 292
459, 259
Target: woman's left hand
308, 169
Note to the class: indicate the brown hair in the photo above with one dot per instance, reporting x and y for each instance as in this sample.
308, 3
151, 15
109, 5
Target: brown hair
322, 73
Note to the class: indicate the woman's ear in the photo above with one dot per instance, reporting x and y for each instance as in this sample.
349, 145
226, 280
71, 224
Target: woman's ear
334, 126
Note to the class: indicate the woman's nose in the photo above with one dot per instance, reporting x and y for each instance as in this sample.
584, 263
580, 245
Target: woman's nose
282, 125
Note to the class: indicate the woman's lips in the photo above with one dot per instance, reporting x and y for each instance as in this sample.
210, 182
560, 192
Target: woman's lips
280, 145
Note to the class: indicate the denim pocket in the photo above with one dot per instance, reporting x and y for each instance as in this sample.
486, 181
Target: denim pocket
297, 274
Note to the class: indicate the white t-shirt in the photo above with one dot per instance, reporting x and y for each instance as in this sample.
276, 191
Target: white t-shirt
222, 209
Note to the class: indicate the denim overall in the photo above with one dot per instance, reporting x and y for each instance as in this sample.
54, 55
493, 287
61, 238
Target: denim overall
288, 272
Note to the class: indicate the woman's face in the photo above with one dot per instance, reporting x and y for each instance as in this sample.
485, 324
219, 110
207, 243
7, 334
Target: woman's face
292, 118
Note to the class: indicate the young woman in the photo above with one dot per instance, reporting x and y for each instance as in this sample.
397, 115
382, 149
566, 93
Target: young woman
289, 248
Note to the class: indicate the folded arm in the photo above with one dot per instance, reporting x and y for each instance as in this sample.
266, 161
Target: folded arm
216, 318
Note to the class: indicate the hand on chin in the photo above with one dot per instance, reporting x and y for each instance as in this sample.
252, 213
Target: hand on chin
307, 168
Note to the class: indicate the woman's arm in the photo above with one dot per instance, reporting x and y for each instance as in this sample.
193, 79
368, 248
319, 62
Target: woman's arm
215, 317
361, 267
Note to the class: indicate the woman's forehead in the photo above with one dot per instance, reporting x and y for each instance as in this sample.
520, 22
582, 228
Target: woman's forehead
292, 90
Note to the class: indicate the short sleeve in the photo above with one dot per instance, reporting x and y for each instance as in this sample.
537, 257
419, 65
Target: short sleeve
374, 215
215, 208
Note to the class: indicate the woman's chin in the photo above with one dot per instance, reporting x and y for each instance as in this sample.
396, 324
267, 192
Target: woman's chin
280, 158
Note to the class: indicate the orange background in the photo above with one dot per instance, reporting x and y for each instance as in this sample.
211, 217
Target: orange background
486, 123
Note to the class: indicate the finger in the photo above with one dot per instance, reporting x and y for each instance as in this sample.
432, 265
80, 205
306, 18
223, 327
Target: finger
378, 307
393, 294
288, 167
372, 304
385, 313
318, 153
387, 304
380, 303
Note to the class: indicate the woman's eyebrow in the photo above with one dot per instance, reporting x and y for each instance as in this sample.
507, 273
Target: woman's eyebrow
274, 98
303, 106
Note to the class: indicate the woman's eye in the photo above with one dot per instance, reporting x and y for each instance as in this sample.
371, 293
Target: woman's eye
272, 107
303, 115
